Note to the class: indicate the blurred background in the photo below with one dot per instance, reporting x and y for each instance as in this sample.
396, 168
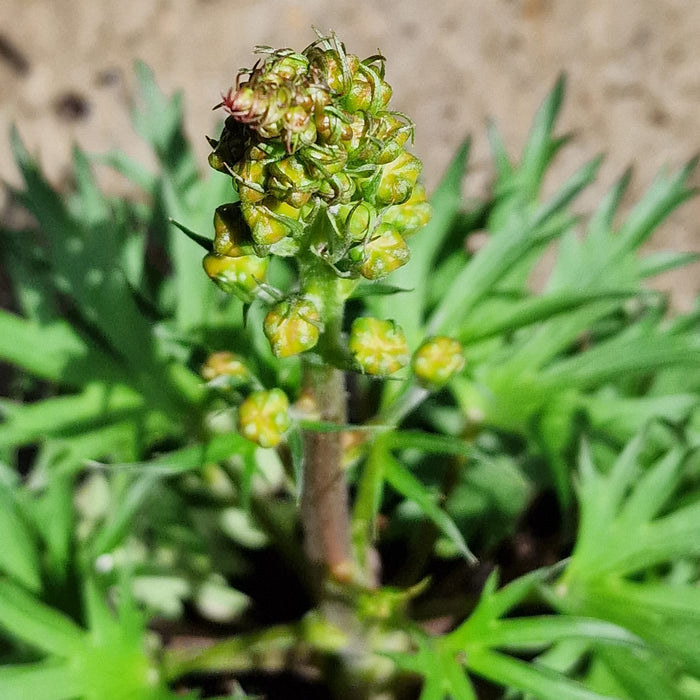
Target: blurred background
66, 76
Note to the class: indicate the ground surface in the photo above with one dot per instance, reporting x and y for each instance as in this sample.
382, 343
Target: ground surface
634, 85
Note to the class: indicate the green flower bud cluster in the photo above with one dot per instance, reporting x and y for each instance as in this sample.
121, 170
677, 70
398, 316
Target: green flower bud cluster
319, 163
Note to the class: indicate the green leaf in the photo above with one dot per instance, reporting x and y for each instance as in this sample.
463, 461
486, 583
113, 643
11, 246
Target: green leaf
98, 404
206, 243
190, 458
401, 480
427, 442
123, 512
663, 261
25, 617
534, 633
625, 356
45, 680
542, 682
19, 556
540, 147
489, 322
70, 360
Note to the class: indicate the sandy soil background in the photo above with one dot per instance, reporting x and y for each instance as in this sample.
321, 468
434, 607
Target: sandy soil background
66, 75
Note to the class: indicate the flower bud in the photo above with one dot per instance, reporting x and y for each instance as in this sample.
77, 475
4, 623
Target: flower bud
336, 68
231, 232
323, 161
299, 128
271, 220
250, 178
397, 180
224, 365
337, 189
358, 219
368, 91
292, 326
437, 361
289, 67
263, 417
289, 181
379, 347
384, 253
332, 127
412, 215
240, 276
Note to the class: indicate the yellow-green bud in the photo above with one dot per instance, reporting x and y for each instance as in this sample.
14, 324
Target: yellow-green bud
231, 232
397, 180
379, 347
384, 253
251, 180
271, 220
437, 361
240, 276
357, 219
338, 189
224, 364
368, 92
292, 326
412, 215
263, 417
290, 182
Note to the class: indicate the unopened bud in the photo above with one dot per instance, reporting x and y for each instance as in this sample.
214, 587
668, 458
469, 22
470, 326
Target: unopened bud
379, 347
384, 253
263, 417
292, 326
231, 232
224, 365
241, 276
398, 179
358, 219
437, 361
412, 215
271, 220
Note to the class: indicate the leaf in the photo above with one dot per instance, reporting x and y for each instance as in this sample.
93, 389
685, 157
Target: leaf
206, 243
190, 458
519, 235
534, 633
70, 360
625, 356
663, 261
98, 404
542, 682
122, 513
19, 556
44, 680
486, 323
401, 480
25, 617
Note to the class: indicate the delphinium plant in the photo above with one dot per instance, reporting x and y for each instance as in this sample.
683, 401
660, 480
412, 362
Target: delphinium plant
369, 461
